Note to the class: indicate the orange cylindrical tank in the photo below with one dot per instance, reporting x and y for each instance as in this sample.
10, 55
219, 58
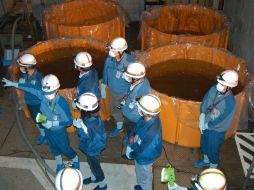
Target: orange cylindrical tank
183, 23
181, 75
56, 57
98, 19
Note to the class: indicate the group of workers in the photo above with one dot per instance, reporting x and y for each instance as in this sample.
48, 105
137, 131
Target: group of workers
132, 106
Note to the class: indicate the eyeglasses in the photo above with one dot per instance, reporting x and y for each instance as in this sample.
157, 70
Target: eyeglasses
45, 87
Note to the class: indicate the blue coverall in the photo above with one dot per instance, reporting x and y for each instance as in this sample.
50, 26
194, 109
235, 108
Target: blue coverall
219, 110
89, 82
114, 78
93, 143
33, 103
146, 142
55, 110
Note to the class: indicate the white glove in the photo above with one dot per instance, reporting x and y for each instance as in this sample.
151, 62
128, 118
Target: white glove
22, 80
9, 83
103, 90
176, 187
201, 122
76, 123
48, 124
128, 151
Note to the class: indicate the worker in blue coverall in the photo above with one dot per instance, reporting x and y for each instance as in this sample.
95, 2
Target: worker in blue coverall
209, 179
216, 114
88, 77
92, 137
30, 75
57, 111
114, 67
144, 144
140, 86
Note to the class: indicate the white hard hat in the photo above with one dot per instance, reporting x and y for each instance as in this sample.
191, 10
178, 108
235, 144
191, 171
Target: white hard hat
87, 101
212, 179
149, 104
118, 44
228, 78
50, 83
83, 60
69, 179
27, 60
135, 70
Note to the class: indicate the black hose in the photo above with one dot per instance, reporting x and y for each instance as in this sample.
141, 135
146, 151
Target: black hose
38, 157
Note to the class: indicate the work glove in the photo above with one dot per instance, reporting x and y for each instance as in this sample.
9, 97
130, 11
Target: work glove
50, 124
9, 83
201, 122
74, 106
176, 187
103, 90
22, 81
76, 123
128, 151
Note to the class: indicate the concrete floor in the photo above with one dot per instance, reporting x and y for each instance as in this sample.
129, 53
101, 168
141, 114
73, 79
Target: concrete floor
12, 145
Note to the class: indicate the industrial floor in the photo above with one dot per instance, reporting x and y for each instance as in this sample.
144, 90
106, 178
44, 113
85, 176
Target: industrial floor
19, 170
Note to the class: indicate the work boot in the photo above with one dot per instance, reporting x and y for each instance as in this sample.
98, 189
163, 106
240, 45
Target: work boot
200, 163
89, 180
40, 140
100, 188
59, 167
76, 165
137, 187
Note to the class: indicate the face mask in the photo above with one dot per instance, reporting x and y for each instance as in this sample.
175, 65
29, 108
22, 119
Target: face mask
111, 53
221, 88
22, 70
140, 112
50, 96
127, 78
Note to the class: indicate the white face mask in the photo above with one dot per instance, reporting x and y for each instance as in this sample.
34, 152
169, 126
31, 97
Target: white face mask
111, 53
221, 88
127, 78
50, 96
140, 112
22, 70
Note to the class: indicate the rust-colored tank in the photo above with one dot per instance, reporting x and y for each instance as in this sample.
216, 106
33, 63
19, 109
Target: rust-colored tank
56, 57
98, 19
181, 75
183, 23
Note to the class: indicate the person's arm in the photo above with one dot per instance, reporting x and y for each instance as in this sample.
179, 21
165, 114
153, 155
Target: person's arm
66, 116
105, 72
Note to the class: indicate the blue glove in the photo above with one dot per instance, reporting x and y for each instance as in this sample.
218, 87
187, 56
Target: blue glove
76, 123
103, 90
74, 106
201, 122
9, 83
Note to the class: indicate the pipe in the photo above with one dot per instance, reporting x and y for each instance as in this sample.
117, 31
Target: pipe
13, 36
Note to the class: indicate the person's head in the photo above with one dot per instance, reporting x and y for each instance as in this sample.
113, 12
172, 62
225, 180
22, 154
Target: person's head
27, 63
88, 104
83, 62
50, 85
149, 106
117, 47
134, 72
210, 179
69, 179
227, 80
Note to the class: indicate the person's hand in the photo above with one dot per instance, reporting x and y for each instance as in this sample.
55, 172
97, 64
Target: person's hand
9, 83
103, 91
201, 122
22, 80
77, 123
48, 124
